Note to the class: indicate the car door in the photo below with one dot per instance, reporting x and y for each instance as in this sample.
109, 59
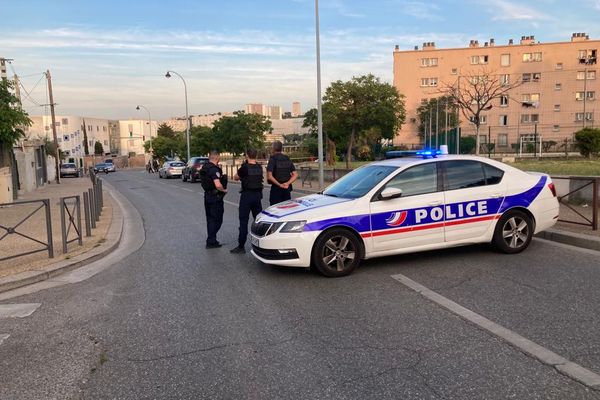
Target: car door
473, 193
416, 218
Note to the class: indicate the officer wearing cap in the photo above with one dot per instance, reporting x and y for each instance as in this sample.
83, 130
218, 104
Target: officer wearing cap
251, 176
281, 173
214, 184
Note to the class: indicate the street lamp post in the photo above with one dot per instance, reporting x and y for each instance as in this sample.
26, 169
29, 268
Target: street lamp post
187, 118
319, 107
149, 123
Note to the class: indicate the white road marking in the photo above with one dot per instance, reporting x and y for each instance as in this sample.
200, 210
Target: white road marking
3, 337
18, 310
568, 246
231, 202
564, 366
187, 190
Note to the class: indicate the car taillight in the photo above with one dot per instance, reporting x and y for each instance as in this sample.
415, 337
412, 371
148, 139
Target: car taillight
552, 188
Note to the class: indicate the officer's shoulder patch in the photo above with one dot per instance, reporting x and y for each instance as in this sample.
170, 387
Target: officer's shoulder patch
218, 174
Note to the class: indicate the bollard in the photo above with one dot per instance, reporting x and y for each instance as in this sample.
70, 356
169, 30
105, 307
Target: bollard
86, 213
101, 194
78, 207
92, 207
63, 228
97, 203
49, 228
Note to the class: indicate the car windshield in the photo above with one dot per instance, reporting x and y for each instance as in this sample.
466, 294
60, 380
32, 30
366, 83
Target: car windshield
359, 182
177, 164
100, 165
69, 166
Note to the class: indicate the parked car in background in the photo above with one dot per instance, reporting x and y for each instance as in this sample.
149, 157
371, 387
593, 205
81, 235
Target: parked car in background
192, 169
110, 164
69, 169
171, 169
101, 167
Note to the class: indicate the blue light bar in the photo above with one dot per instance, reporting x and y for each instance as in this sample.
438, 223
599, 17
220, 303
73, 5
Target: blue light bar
429, 153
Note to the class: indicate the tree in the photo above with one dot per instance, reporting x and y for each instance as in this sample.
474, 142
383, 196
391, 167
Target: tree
86, 148
329, 132
98, 148
436, 110
163, 146
474, 93
166, 131
364, 103
12, 120
202, 140
588, 141
235, 134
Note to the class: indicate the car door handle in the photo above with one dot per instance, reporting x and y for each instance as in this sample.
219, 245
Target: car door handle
496, 195
435, 203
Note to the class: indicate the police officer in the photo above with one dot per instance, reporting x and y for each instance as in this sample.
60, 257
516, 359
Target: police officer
281, 173
214, 184
251, 176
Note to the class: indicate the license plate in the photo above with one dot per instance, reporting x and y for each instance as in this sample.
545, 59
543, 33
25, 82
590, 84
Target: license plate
254, 241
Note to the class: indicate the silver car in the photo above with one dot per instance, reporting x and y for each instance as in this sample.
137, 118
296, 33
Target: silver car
171, 169
69, 169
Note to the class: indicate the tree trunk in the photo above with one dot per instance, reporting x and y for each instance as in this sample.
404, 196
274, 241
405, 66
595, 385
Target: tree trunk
330, 152
477, 140
350, 144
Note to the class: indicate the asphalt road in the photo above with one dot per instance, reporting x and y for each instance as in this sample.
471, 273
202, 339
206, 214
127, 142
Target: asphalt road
176, 321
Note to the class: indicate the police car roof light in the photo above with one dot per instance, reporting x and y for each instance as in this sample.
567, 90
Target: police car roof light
429, 153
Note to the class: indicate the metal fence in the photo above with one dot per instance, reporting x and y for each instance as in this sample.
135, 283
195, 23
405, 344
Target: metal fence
13, 230
581, 193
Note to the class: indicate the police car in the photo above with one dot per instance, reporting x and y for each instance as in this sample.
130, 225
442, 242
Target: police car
406, 205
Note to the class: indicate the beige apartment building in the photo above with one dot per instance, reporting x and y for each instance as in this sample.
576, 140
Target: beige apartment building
556, 93
296, 109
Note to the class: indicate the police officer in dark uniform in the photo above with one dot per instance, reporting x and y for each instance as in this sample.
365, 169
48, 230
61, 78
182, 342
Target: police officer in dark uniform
214, 184
281, 173
251, 176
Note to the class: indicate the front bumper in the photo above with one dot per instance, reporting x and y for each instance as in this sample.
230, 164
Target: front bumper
297, 246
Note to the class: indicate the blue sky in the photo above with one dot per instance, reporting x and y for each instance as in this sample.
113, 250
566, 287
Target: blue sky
108, 56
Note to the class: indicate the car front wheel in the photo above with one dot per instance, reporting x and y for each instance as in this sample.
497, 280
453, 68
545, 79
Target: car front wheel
183, 177
514, 232
336, 253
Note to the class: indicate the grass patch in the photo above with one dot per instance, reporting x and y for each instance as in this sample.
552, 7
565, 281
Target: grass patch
561, 167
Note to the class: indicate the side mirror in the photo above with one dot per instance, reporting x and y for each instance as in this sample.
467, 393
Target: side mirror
390, 193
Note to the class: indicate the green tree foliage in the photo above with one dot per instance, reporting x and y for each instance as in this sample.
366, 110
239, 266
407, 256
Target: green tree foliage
202, 140
588, 142
12, 116
98, 148
436, 110
234, 134
362, 106
86, 148
165, 147
166, 131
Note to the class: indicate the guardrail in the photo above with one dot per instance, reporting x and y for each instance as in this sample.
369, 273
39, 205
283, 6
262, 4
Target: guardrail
12, 230
580, 193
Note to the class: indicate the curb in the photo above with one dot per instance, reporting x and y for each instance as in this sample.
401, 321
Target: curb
573, 239
113, 238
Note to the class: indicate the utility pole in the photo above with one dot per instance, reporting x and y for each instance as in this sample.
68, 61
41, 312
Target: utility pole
319, 100
17, 89
57, 155
437, 122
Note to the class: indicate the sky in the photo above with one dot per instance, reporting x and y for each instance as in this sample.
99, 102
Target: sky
108, 56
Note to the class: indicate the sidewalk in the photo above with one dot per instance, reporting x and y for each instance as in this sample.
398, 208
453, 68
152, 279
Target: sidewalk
35, 267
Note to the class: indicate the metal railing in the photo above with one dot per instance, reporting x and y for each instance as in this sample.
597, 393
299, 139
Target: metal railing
74, 220
581, 194
12, 230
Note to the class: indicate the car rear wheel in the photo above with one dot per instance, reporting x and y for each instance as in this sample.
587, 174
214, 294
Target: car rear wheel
192, 178
336, 253
514, 232
183, 177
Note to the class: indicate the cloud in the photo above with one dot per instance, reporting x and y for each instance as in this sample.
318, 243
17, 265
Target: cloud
421, 10
503, 10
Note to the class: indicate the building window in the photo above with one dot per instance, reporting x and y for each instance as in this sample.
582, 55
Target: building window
530, 118
579, 96
65, 121
531, 97
454, 71
505, 60
502, 139
532, 57
526, 78
558, 86
536, 77
482, 119
46, 128
505, 79
429, 82
130, 126
587, 56
57, 124
557, 107
504, 100
106, 142
475, 60
59, 140
424, 82
555, 128
559, 66
104, 129
90, 142
429, 62
66, 138
591, 95
503, 120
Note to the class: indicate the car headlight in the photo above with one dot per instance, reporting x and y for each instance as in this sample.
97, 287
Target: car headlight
293, 227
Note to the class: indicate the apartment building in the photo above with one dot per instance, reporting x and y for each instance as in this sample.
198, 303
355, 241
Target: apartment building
555, 93
70, 133
134, 133
296, 109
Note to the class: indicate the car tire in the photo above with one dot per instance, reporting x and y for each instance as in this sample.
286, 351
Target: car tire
513, 232
192, 178
336, 253
183, 177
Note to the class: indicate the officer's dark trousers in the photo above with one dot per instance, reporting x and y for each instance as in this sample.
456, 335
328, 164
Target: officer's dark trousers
278, 195
250, 202
213, 204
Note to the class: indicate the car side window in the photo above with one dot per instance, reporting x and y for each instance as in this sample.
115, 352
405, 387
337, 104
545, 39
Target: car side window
462, 174
493, 175
420, 179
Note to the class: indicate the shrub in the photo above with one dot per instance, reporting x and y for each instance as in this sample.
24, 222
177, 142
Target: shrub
588, 142
467, 144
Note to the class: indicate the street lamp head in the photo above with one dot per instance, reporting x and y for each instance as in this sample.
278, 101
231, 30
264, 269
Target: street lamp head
137, 108
168, 74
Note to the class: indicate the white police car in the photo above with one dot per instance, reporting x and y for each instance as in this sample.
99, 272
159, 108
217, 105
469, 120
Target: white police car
405, 205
